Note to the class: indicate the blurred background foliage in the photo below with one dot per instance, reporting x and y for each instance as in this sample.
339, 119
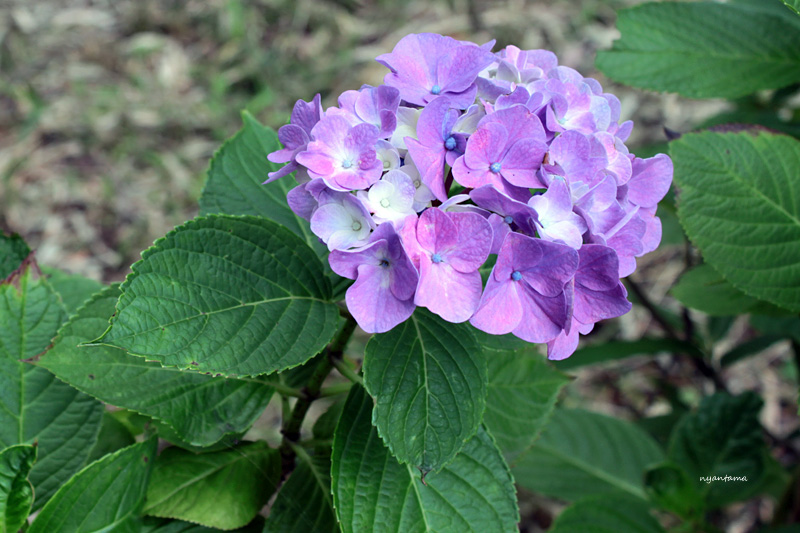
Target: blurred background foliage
111, 109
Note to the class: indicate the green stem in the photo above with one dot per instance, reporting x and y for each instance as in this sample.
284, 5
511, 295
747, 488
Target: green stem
344, 369
285, 390
335, 390
309, 393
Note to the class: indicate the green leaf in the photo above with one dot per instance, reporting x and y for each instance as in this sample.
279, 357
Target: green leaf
523, 389
739, 206
232, 295
13, 251
604, 514
107, 495
669, 487
151, 524
722, 438
201, 409
74, 290
785, 327
223, 489
672, 46
429, 380
113, 436
235, 178
704, 289
234, 187
16, 492
615, 350
749, 348
582, 454
304, 502
34, 405
373, 492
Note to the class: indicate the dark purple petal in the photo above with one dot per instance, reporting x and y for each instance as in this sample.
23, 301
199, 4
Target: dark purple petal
543, 317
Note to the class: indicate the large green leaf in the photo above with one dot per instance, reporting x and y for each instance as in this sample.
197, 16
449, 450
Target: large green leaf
16, 492
223, 489
13, 251
34, 405
373, 492
234, 186
107, 495
523, 389
201, 409
304, 502
74, 290
722, 438
429, 380
235, 178
739, 205
670, 488
606, 514
113, 436
231, 295
675, 46
704, 289
583, 454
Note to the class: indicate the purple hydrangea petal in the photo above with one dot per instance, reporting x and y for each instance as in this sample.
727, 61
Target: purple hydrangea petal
372, 303
500, 308
522, 161
474, 241
650, 180
563, 345
436, 232
451, 294
486, 146
522, 215
543, 316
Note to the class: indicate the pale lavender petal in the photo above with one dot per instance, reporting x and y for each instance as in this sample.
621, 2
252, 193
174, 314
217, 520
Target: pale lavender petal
519, 123
500, 228
473, 178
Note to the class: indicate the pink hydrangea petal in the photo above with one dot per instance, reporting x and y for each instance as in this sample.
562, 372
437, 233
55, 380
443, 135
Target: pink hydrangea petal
436, 232
430, 164
451, 294
563, 345
474, 241
499, 310
486, 146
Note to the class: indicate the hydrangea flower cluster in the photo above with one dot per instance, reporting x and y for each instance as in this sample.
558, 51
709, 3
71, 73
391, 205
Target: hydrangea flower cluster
466, 160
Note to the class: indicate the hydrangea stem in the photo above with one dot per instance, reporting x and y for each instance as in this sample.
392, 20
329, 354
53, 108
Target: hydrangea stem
309, 393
